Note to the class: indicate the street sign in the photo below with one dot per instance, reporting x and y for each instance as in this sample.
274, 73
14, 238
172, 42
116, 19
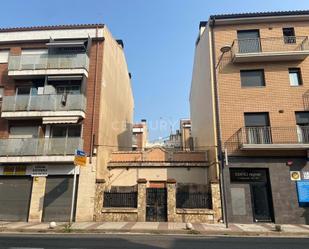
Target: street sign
80, 158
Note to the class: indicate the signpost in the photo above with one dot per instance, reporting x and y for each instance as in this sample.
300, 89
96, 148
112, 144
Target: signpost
80, 159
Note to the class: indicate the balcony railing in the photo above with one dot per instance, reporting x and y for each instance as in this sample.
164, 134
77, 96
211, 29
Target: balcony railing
270, 47
39, 146
270, 135
48, 61
70, 102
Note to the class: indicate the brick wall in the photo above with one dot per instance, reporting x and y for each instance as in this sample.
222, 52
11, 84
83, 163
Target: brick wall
276, 95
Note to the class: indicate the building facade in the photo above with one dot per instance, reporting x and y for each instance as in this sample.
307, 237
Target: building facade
250, 79
59, 87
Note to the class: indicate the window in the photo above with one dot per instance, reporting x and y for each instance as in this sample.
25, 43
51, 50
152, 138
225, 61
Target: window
252, 78
4, 56
254, 119
302, 122
66, 131
289, 35
295, 77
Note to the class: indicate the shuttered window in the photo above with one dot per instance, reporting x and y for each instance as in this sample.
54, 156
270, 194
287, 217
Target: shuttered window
252, 78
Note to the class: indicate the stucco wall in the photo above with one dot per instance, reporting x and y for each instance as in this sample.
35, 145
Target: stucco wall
202, 112
116, 103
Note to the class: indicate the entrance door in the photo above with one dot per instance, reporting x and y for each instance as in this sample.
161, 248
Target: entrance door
15, 194
249, 41
156, 204
261, 201
58, 197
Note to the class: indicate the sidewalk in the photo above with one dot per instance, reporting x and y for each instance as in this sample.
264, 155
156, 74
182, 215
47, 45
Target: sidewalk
264, 229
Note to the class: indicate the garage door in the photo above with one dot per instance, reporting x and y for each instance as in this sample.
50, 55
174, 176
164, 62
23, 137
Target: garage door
57, 200
15, 195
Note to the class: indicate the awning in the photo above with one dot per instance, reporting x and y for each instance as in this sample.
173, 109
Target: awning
65, 77
60, 120
63, 44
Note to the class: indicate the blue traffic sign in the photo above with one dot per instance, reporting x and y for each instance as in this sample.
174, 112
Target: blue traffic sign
303, 191
80, 153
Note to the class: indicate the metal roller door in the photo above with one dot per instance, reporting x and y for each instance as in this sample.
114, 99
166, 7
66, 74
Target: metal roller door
15, 195
57, 199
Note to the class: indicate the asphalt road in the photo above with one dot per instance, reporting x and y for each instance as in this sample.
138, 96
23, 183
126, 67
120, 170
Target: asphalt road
146, 242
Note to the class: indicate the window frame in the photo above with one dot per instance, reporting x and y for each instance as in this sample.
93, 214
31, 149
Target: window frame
256, 113
299, 75
252, 70
289, 39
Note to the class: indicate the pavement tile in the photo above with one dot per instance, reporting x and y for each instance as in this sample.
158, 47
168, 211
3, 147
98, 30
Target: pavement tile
15, 225
146, 225
112, 225
163, 226
95, 225
81, 225
128, 226
198, 227
252, 228
176, 226
293, 228
38, 226
216, 227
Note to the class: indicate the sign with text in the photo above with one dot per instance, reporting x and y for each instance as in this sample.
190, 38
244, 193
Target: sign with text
248, 175
39, 170
303, 191
80, 158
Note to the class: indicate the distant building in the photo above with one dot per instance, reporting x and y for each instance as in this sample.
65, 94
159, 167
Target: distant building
139, 135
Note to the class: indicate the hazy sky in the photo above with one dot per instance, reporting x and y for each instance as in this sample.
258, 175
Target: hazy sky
159, 39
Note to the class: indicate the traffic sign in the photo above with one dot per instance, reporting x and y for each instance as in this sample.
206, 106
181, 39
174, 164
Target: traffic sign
80, 158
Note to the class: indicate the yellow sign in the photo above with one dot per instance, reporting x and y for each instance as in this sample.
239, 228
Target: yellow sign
295, 175
80, 160
14, 170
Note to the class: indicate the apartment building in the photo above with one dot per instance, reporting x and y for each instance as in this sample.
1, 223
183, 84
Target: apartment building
140, 135
62, 88
249, 106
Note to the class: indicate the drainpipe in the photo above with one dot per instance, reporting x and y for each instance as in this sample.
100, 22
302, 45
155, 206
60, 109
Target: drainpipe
94, 98
218, 126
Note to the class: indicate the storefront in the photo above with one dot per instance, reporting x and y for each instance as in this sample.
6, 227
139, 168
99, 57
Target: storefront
264, 190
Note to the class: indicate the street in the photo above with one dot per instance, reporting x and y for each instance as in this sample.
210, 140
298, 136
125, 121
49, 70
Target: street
28, 241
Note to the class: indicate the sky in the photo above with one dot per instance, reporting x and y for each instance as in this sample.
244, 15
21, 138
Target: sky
158, 35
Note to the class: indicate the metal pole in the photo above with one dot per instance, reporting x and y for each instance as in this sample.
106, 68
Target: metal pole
73, 195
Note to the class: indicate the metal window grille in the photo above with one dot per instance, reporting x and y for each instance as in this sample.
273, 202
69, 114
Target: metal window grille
193, 200
115, 199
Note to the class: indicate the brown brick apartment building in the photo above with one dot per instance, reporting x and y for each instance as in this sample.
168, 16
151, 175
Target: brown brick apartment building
249, 99
59, 88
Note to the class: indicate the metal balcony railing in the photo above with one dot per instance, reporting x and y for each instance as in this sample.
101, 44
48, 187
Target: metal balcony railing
70, 102
48, 61
271, 135
270, 44
39, 146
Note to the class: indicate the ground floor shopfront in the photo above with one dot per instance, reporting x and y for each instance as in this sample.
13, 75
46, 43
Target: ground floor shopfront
41, 192
262, 189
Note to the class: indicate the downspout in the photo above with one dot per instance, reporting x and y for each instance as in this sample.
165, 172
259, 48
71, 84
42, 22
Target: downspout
218, 126
94, 98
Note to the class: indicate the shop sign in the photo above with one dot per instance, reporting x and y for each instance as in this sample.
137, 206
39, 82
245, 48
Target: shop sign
248, 175
303, 191
295, 175
14, 170
39, 170
306, 175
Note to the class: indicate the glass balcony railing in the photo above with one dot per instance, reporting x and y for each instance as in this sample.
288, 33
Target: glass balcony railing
48, 61
57, 102
39, 146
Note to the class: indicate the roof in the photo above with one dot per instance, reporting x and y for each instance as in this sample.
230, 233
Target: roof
260, 14
53, 27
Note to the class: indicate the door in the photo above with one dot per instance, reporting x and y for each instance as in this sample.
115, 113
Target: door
57, 199
156, 204
261, 203
15, 195
249, 41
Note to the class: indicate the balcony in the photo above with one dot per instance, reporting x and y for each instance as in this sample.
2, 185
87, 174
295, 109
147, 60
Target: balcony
48, 64
39, 149
270, 49
25, 106
276, 138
